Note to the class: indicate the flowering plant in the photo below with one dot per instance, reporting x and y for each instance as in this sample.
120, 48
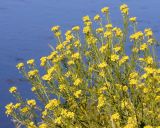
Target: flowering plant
92, 82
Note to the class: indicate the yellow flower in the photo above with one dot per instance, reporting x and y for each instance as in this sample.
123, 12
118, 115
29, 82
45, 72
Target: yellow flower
31, 102
143, 47
132, 19
115, 117
70, 62
59, 47
102, 73
123, 60
114, 57
76, 55
32, 73
9, 108
125, 88
43, 61
135, 50
70, 115
55, 28
24, 110
97, 18
78, 93
58, 120
76, 28
124, 9
133, 82
149, 60
20, 66
13, 89
31, 125
105, 10
99, 30
108, 34
31, 62
44, 125
103, 48
17, 105
52, 103
47, 77
102, 65
62, 87
86, 30
148, 32
101, 101
109, 26
117, 48
77, 82
86, 19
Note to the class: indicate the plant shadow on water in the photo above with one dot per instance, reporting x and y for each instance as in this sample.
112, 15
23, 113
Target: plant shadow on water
25, 32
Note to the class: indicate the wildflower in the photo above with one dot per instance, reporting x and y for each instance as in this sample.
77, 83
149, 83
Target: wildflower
86, 19
109, 26
32, 73
9, 108
149, 60
76, 28
103, 48
20, 66
60, 46
43, 125
117, 48
86, 30
124, 9
31, 125
136, 36
135, 50
114, 57
17, 105
52, 103
78, 93
24, 110
77, 82
105, 10
62, 87
76, 55
143, 47
115, 117
108, 34
101, 101
132, 19
43, 61
58, 120
123, 60
125, 88
31, 62
71, 62
102, 65
33, 89
55, 28
13, 89
97, 18
148, 32
99, 30
102, 73
47, 77
31, 102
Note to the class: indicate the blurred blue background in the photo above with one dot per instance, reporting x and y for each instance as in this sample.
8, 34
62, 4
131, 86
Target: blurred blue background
25, 32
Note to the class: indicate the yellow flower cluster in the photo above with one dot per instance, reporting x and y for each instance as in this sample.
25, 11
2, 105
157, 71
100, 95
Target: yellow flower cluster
93, 82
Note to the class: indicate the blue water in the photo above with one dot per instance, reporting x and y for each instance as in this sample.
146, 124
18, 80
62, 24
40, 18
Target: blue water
25, 32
